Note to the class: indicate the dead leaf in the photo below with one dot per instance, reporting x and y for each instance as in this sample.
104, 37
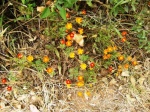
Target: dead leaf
125, 73
33, 108
129, 99
40, 8
112, 82
141, 80
79, 39
133, 81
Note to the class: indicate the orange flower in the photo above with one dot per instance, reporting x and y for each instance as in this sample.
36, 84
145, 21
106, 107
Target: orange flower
19, 55
124, 33
105, 51
80, 78
129, 58
68, 43
68, 37
124, 39
67, 15
126, 66
114, 48
46, 59
106, 56
83, 12
134, 63
49, 70
121, 58
110, 49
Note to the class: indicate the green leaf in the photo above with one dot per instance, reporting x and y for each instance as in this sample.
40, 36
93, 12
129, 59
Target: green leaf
62, 13
83, 57
45, 13
57, 54
89, 2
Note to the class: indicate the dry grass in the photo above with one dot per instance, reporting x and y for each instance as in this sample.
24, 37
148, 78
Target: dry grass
119, 96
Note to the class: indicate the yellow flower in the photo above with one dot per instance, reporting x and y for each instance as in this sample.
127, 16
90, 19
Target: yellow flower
105, 51
80, 51
68, 85
129, 58
68, 37
80, 30
114, 48
79, 20
30, 58
80, 94
88, 93
72, 55
69, 26
83, 66
110, 49
80, 83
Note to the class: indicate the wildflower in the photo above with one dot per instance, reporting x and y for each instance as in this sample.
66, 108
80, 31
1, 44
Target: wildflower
114, 48
110, 69
121, 58
9, 88
72, 55
83, 66
83, 12
80, 30
80, 94
110, 49
80, 78
62, 41
92, 64
129, 58
134, 63
68, 37
49, 70
30, 58
126, 66
4, 80
68, 81
19, 55
79, 20
46, 59
80, 83
67, 15
71, 34
124, 39
105, 51
68, 43
69, 26
105, 57
88, 93
80, 51
108, 56
124, 33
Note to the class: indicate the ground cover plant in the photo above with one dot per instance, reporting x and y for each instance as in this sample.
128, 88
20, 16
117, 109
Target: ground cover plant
75, 56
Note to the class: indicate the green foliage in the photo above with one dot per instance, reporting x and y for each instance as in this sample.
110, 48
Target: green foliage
39, 65
83, 57
90, 76
73, 72
122, 6
61, 5
46, 13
